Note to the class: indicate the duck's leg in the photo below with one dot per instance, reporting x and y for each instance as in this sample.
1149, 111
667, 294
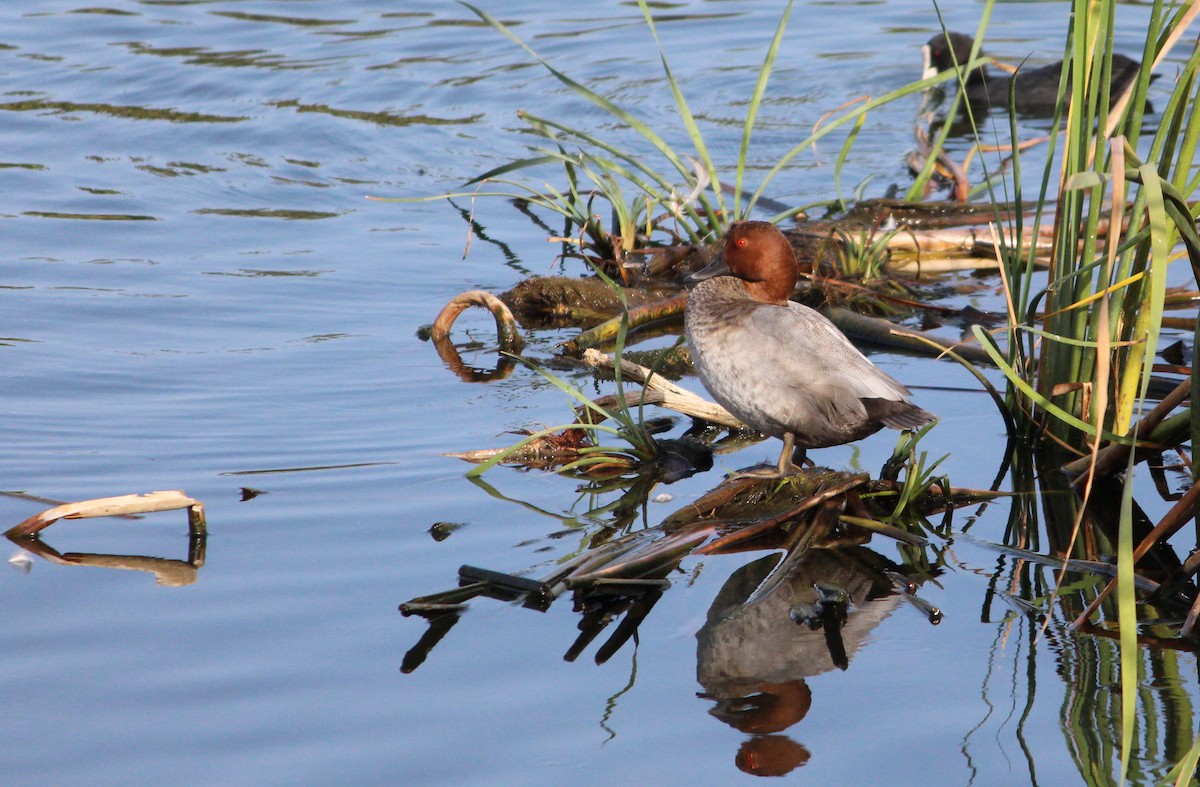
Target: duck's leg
786, 464
784, 468
791, 459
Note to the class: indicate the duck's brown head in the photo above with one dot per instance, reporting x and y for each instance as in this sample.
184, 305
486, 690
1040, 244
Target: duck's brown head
760, 255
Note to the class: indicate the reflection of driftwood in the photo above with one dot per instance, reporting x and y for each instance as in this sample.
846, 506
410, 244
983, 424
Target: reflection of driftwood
171, 573
506, 326
671, 396
469, 374
114, 506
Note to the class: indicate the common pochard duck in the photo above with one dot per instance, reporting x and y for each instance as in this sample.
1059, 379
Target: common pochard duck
781, 367
1036, 89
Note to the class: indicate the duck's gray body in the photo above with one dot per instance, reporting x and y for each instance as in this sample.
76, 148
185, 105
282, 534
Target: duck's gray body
788, 370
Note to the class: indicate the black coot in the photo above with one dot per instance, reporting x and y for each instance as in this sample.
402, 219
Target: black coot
1036, 89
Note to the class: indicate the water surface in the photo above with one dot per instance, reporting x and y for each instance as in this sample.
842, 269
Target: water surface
195, 294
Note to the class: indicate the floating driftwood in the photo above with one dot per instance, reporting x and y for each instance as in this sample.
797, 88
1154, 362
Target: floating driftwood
114, 506
173, 573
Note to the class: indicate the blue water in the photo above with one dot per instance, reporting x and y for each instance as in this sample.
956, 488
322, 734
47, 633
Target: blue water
194, 294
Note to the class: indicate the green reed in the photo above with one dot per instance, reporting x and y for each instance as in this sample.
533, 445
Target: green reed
1082, 341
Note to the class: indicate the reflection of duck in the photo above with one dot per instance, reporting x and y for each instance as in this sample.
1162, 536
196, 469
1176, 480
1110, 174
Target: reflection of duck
749, 640
1035, 90
777, 365
771, 755
752, 659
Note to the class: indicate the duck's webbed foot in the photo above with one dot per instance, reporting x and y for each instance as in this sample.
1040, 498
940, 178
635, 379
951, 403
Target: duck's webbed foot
792, 461
764, 472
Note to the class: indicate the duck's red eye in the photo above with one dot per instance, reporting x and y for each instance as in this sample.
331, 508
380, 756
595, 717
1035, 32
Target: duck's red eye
740, 243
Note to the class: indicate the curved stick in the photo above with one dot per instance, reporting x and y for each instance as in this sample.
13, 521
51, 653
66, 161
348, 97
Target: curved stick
506, 325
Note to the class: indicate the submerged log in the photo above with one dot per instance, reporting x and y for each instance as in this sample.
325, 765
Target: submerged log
886, 334
560, 301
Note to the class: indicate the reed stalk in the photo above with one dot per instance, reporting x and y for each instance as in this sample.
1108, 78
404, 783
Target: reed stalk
1079, 372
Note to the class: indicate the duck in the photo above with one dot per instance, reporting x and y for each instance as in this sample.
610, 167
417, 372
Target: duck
781, 367
1035, 90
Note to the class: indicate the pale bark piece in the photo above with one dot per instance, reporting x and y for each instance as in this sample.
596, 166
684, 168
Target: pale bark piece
170, 500
674, 397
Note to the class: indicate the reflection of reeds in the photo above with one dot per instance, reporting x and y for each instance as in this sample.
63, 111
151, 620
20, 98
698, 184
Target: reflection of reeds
1040, 596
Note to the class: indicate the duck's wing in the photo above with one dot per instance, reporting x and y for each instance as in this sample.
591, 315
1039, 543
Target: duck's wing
813, 349
833, 386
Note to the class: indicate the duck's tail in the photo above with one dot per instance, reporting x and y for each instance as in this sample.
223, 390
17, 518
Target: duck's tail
897, 414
